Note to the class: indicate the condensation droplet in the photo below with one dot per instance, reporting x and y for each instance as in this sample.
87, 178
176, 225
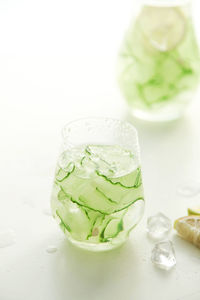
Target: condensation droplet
51, 249
7, 238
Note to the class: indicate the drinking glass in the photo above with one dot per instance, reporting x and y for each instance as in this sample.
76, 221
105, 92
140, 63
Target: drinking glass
159, 62
97, 196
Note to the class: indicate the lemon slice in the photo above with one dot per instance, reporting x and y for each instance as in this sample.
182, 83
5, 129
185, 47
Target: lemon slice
163, 27
194, 211
189, 228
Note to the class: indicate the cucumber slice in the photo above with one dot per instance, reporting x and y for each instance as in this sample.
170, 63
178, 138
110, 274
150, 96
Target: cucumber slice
99, 193
132, 180
102, 237
62, 174
113, 228
63, 225
72, 217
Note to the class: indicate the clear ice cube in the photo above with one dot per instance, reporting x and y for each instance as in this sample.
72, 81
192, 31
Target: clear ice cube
163, 255
66, 161
86, 168
101, 161
158, 226
112, 163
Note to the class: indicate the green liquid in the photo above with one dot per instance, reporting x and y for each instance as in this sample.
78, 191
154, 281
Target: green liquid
158, 82
98, 196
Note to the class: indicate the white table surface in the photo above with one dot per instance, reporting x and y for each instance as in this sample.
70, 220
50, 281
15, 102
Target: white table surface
57, 63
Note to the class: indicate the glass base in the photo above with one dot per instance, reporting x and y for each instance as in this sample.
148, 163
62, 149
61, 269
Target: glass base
96, 247
156, 116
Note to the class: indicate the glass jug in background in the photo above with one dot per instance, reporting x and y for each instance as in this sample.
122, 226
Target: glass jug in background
159, 62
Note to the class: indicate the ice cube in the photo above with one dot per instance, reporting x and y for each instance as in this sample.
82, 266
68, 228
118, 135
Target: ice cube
70, 157
158, 226
101, 159
65, 162
86, 168
163, 255
112, 161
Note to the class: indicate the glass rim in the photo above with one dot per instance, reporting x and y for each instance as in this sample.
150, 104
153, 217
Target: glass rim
103, 119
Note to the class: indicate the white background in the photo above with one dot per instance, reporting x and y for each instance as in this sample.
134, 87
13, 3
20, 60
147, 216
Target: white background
57, 63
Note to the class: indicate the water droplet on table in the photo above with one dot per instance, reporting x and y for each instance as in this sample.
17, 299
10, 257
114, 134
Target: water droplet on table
47, 212
7, 238
163, 255
189, 189
51, 249
29, 203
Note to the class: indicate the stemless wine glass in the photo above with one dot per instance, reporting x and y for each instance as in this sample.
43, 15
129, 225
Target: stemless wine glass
97, 195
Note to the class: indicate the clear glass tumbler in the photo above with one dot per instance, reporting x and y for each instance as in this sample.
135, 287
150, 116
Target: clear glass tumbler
159, 62
97, 196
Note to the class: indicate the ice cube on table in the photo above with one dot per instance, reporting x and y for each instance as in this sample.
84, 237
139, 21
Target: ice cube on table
158, 226
163, 255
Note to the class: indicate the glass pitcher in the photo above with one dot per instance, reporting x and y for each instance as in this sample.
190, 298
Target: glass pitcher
159, 62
